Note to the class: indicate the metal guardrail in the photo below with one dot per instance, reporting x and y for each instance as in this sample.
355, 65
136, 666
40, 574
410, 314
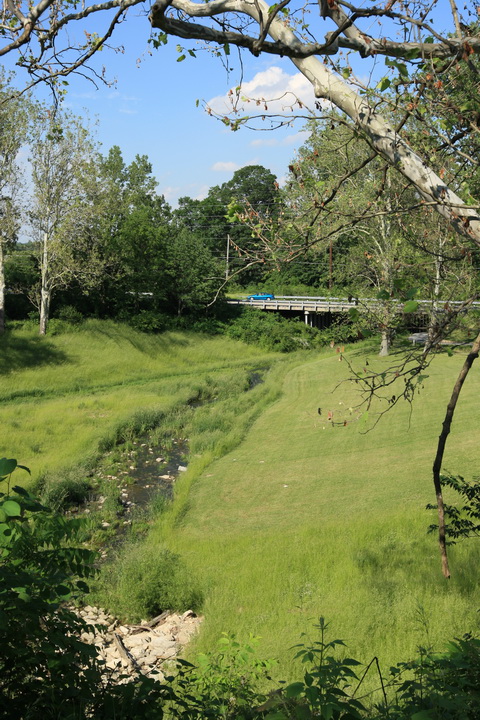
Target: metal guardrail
328, 304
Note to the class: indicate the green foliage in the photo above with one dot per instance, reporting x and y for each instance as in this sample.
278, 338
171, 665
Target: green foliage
438, 686
144, 581
149, 321
61, 490
272, 331
326, 688
461, 522
70, 315
226, 683
43, 666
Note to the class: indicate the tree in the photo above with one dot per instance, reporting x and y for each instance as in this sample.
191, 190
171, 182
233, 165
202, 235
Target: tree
13, 124
254, 185
63, 170
133, 230
290, 30
192, 274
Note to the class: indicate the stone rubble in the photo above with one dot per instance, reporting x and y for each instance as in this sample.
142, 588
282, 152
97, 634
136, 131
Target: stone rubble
132, 649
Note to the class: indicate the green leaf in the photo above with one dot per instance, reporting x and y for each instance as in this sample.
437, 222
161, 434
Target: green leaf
22, 593
11, 508
410, 306
62, 590
294, 690
384, 84
383, 295
182, 57
7, 466
226, 48
354, 313
422, 715
346, 72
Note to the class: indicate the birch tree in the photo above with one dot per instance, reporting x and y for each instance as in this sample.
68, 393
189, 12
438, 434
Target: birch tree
342, 27
13, 122
63, 160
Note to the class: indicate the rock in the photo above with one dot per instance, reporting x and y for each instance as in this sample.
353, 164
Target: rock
182, 468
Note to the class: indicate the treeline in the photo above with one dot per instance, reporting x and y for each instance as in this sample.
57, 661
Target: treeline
86, 234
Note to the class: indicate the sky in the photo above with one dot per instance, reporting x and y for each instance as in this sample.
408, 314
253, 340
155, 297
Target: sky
152, 110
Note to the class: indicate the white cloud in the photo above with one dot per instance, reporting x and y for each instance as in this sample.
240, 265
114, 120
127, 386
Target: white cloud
202, 193
225, 166
272, 90
170, 193
293, 139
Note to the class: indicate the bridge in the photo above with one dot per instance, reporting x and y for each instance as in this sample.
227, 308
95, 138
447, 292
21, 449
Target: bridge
317, 311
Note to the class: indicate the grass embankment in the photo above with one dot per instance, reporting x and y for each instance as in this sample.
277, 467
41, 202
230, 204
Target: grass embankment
66, 399
304, 519
280, 517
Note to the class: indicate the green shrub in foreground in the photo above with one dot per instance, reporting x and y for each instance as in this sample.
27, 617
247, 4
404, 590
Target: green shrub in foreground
144, 581
46, 671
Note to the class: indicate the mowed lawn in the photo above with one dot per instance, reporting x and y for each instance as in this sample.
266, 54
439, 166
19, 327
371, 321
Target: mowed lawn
305, 519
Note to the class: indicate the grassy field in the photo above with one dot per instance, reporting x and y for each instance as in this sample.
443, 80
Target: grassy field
304, 519
67, 398
280, 517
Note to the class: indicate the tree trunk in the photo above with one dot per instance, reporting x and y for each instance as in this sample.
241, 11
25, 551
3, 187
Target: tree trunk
385, 342
2, 288
45, 298
442, 440
45, 291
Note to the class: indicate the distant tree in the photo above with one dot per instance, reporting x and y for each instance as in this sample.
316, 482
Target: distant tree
254, 185
13, 127
133, 229
192, 274
63, 170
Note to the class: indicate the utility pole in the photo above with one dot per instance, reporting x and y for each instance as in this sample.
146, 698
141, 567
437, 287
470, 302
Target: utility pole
330, 282
228, 253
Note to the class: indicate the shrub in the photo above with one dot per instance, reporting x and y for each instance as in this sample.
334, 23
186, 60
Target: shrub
148, 321
70, 315
59, 492
144, 582
272, 331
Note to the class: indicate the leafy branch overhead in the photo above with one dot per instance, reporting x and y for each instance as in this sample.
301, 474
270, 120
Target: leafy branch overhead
319, 62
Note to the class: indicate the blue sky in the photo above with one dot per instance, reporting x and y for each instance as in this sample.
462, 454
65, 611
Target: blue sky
152, 110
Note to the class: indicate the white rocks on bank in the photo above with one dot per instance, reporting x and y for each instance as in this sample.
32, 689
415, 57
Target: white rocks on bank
132, 649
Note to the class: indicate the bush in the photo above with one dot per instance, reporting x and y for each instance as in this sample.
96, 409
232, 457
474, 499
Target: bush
272, 331
148, 321
144, 582
59, 493
70, 315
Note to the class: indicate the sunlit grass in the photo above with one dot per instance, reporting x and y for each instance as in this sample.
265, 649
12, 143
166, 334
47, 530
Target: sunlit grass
66, 398
304, 519
280, 516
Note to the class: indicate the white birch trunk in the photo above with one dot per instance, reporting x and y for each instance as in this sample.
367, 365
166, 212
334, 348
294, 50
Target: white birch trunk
2, 288
45, 292
381, 136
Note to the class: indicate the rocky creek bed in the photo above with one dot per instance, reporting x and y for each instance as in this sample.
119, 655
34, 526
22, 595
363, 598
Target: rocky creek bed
145, 648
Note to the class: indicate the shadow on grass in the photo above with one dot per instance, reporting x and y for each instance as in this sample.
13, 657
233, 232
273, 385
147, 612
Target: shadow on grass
19, 353
146, 343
